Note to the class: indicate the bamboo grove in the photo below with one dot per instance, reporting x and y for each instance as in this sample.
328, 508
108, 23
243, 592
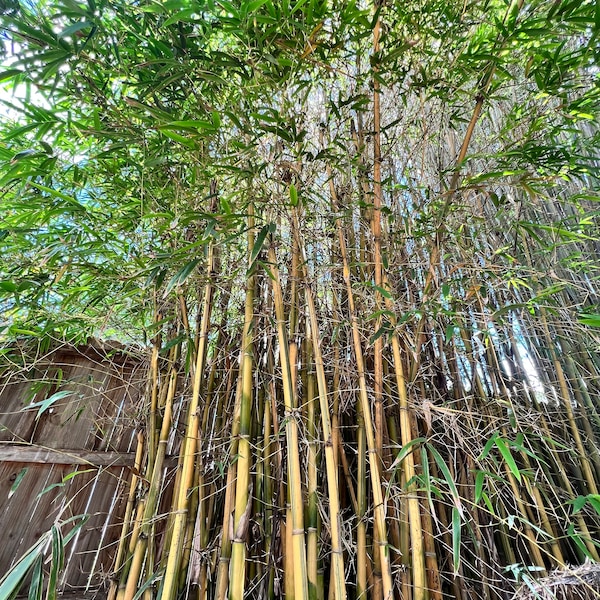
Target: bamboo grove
359, 247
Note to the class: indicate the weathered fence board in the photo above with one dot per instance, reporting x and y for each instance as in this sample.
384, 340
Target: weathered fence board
73, 458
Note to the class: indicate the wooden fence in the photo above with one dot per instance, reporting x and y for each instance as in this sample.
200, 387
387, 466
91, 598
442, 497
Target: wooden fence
69, 454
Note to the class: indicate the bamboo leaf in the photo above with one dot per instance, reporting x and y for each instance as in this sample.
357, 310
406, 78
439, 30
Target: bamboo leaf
10, 73
180, 277
56, 564
578, 503
72, 29
479, 481
17, 481
148, 584
36, 586
198, 124
508, 457
456, 538
260, 240
447, 476
178, 138
72, 201
488, 446
594, 500
80, 521
10, 584
44, 405
404, 451
575, 537
593, 320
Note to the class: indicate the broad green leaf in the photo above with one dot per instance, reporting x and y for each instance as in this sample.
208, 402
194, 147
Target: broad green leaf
180, 277
579, 503
479, 481
253, 5
10, 73
72, 201
594, 501
187, 15
10, 584
593, 320
36, 586
188, 125
157, 576
447, 476
260, 240
178, 138
73, 474
56, 564
73, 29
488, 446
405, 451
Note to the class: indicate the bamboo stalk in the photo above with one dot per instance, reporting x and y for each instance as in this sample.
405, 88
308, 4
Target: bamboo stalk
337, 558
171, 576
312, 512
222, 583
121, 549
414, 511
295, 481
378, 508
151, 503
243, 491
376, 231
361, 491
566, 401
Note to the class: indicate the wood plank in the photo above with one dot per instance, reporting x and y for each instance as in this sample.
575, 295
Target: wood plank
27, 453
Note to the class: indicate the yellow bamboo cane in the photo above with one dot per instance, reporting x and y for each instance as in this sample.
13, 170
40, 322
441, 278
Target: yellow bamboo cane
141, 547
337, 557
291, 428
241, 519
171, 576
419, 571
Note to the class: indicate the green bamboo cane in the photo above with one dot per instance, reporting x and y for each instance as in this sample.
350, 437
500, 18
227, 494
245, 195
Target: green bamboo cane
360, 498
312, 509
566, 402
222, 583
380, 536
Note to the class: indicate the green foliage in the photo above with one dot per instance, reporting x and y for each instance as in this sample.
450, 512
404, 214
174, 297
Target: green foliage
51, 545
